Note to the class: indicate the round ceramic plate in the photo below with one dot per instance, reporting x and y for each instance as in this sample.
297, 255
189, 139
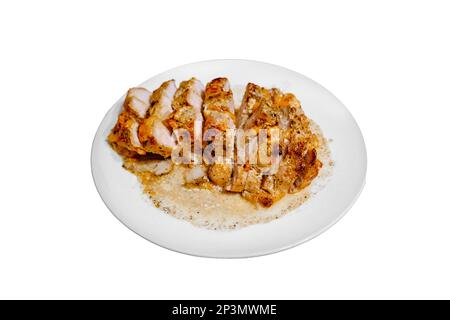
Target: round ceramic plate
122, 193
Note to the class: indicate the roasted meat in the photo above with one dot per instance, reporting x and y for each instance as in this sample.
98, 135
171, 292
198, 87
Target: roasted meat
218, 106
253, 97
156, 167
187, 109
124, 136
218, 112
154, 136
297, 165
273, 152
300, 164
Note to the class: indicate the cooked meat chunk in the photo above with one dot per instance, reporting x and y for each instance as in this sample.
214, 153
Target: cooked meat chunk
156, 167
220, 173
218, 106
137, 101
195, 175
161, 100
124, 136
253, 97
218, 112
154, 135
298, 166
239, 177
187, 106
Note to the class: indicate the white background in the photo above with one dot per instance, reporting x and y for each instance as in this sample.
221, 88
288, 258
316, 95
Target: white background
64, 64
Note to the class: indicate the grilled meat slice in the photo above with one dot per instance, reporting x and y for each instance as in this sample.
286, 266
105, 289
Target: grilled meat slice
196, 175
161, 100
300, 164
253, 97
156, 167
218, 112
137, 102
239, 177
220, 173
187, 106
124, 136
218, 106
153, 134
155, 137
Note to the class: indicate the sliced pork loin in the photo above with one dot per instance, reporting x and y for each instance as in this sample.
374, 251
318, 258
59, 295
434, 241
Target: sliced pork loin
187, 108
124, 136
247, 176
218, 113
297, 165
153, 134
137, 102
254, 95
218, 106
300, 164
195, 175
156, 167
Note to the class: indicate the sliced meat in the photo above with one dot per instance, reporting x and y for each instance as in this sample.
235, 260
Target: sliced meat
254, 191
300, 164
156, 167
261, 109
268, 184
195, 175
153, 134
155, 137
161, 100
137, 101
265, 116
220, 173
239, 177
253, 97
187, 105
124, 136
218, 106
218, 113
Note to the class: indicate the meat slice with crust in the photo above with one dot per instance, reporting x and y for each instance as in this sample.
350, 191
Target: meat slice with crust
187, 116
155, 137
124, 136
297, 165
300, 164
218, 113
218, 106
255, 98
187, 108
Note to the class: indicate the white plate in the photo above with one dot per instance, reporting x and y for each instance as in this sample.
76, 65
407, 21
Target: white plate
121, 192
